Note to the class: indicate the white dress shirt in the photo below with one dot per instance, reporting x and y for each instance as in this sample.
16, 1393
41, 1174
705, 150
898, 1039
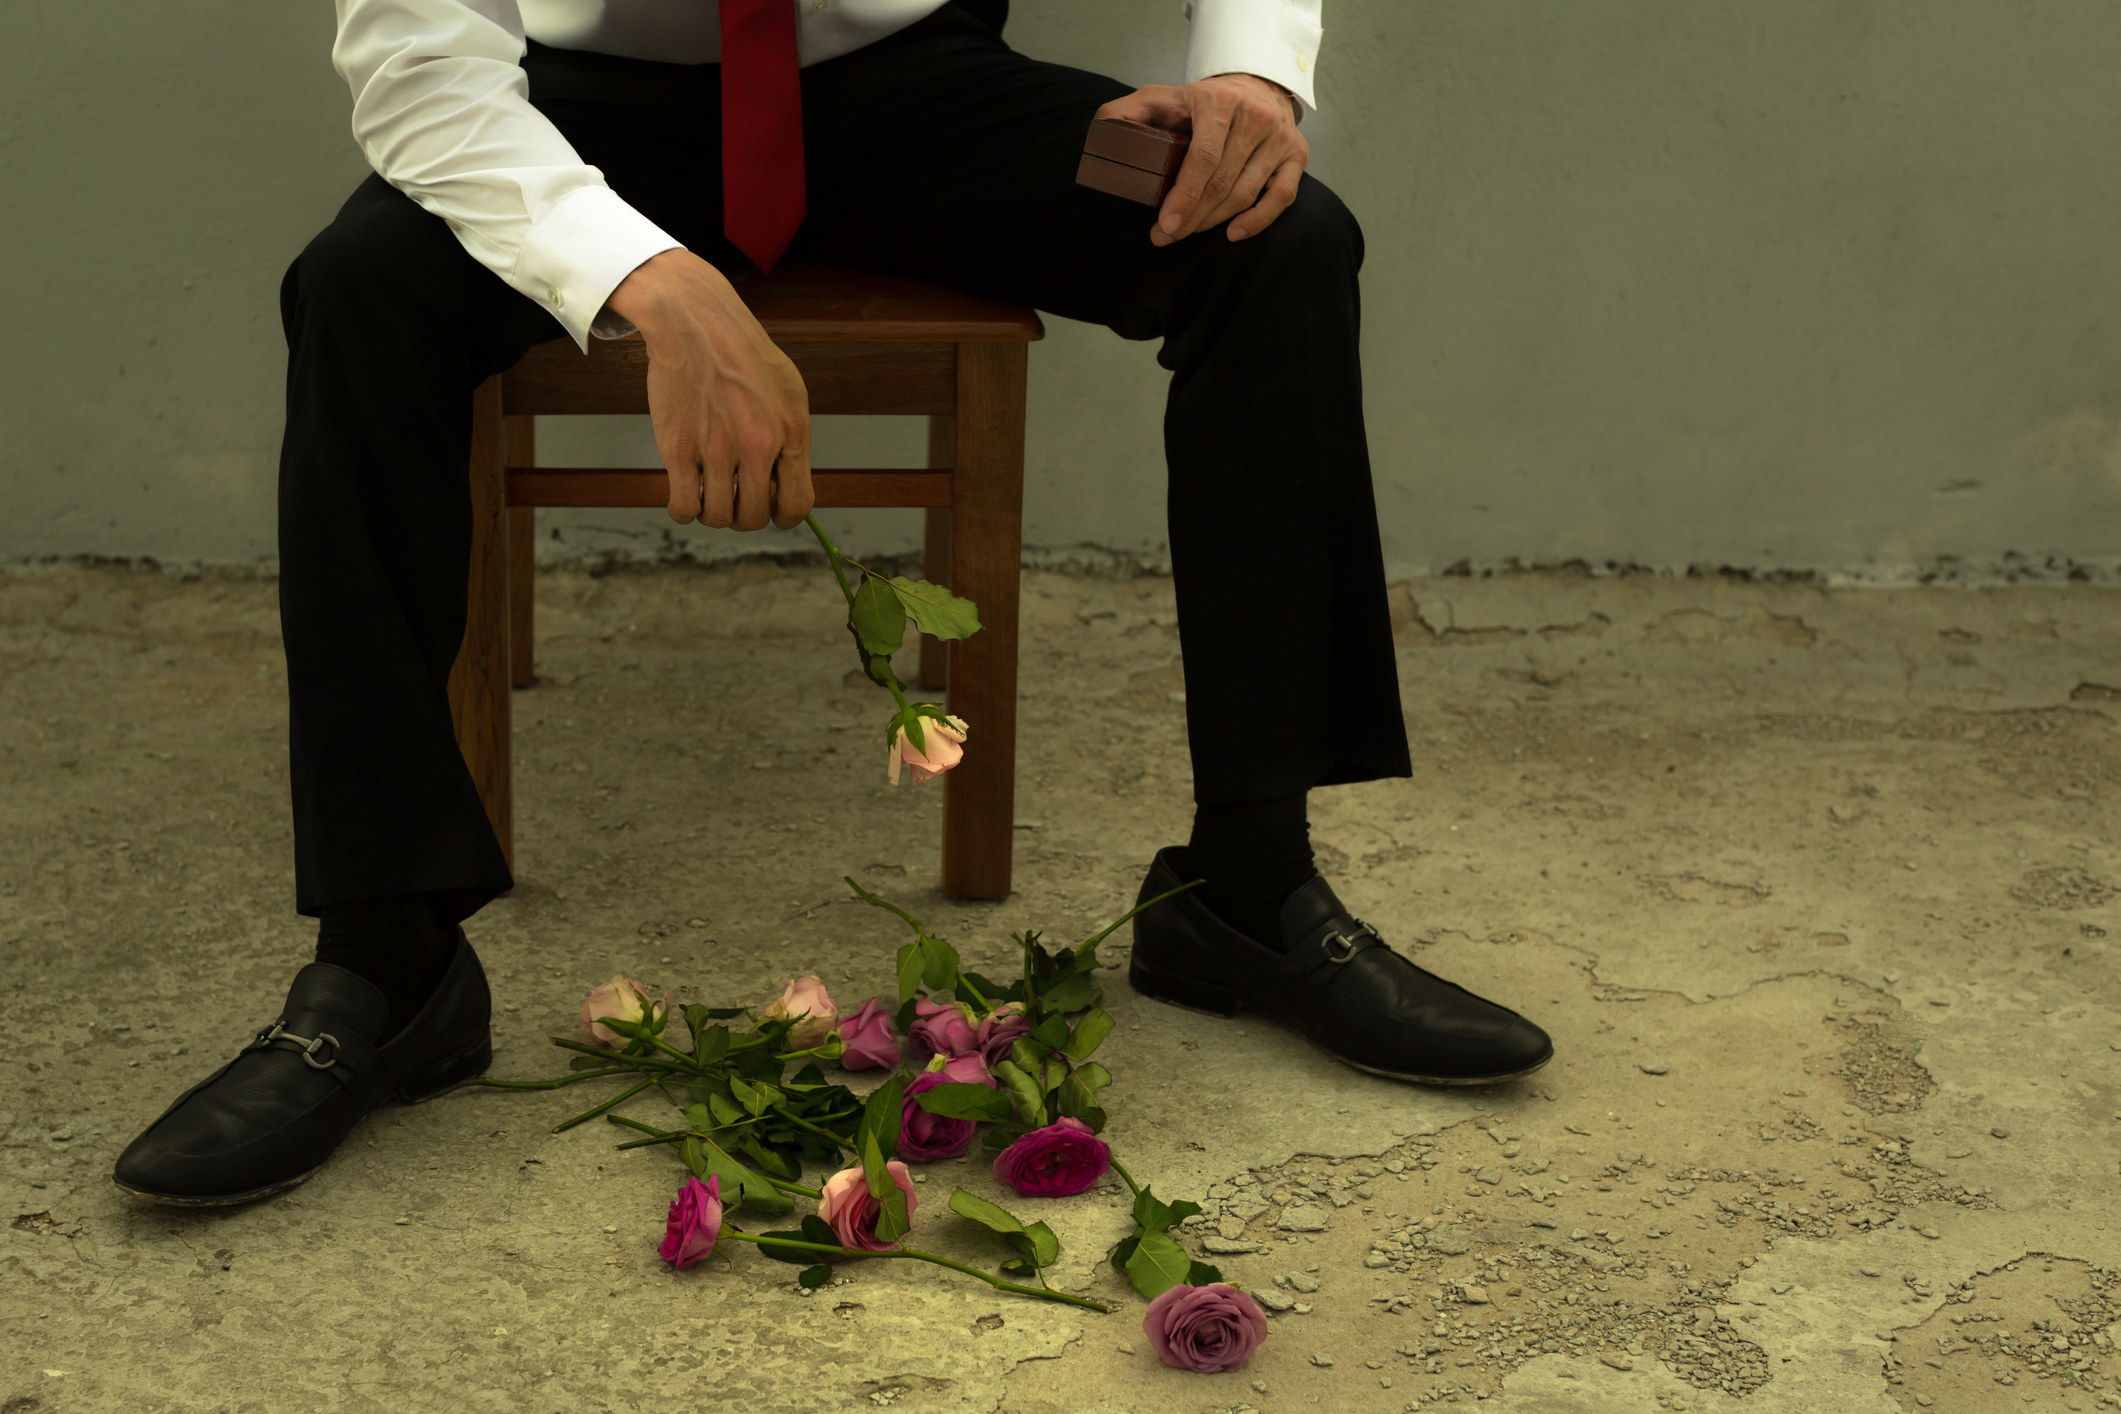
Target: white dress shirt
442, 111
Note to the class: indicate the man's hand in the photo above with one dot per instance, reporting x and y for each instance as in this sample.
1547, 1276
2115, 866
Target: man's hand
1244, 160
725, 401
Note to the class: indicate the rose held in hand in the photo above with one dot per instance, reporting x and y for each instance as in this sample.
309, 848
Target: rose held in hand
1062, 1159
871, 1041
621, 997
695, 1223
851, 1211
804, 997
1205, 1329
942, 746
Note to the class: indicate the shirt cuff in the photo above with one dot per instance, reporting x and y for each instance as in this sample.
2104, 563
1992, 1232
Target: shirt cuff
1272, 39
577, 255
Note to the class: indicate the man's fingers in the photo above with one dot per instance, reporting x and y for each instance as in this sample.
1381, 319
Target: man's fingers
754, 491
1157, 105
684, 471
1281, 191
793, 495
717, 486
1250, 184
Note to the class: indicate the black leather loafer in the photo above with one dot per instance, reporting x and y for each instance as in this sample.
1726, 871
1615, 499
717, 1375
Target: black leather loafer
270, 1118
1338, 985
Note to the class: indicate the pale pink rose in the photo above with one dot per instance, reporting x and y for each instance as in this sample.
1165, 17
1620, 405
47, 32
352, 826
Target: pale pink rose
851, 1212
621, 997
870, 1039
1206, 1329
942, 746
804, 997
941, 1029
695, 1223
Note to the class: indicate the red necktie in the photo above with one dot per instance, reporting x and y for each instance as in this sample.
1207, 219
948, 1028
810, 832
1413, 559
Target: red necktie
762, 128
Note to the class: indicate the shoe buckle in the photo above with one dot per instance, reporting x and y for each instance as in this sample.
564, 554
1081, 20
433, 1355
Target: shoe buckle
1339, 947
309, 1044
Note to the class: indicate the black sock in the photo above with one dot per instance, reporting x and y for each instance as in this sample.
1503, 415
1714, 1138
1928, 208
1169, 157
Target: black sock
1252, 857
397, 943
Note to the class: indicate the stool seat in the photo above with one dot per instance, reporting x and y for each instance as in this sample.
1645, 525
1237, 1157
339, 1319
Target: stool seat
866, 344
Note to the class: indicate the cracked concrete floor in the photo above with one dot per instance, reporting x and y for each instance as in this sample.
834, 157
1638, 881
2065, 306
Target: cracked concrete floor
1816, 889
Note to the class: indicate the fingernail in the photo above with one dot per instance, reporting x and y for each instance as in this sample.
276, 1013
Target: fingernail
1171, 221
1237, 233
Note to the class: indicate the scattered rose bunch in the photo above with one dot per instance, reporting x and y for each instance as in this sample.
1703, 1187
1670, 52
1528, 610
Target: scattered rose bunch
967, 1061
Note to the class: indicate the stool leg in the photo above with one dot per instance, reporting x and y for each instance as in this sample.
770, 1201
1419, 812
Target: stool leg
522, 562
986, 559
478, 683
935, 566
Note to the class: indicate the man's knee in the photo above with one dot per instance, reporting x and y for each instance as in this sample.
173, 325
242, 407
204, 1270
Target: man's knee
1317, 227
376, 256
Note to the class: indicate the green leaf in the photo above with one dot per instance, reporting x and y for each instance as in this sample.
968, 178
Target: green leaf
725, 1112
892, 1219
934, 610
1000, 1137
1029, 1097
986, 1214
712, 1044
1125, 1251
1156, 1265
1201, 1274
881, 1114
740, 1186
816, 1229
1044, 1245
877, 617
1155, 1215
1093, 1076
965, 1100
912, 962
794, 1255
1071, 994
814, 1277
1053, 1032
939, 964
756, 1099
1089, 1034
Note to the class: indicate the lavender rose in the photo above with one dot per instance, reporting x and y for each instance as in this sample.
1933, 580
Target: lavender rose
941, 1029
1054, 1162
851, 1212
964, 1070
923, 1137
871, 1040
804, 998
695, 1223
1205, 1329
998, 1032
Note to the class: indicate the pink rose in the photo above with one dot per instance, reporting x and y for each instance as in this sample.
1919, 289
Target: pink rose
1205, 1329
870, 1039
940, 749
924, 1137
964, 1070
941, 1029
1063, 1158
851, 1212
804, 997
695, 1223
621, 997
998, 1032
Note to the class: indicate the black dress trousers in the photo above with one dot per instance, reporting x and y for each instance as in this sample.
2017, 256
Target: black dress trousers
937, 152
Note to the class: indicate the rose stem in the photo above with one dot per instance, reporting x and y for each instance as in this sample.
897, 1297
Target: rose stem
579, 1075
801, 1123
832, 556
791, 1187
1113, 927
918, 931
612, 1103
691, 1066
1042, 1294
1121, 1169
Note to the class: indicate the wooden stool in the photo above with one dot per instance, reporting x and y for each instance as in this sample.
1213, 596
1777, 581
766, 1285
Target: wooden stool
865, 343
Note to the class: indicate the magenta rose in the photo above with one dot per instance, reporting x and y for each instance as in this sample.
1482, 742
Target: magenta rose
1063, 1158
851, 1211
1205, 1329
870, 1039
941, 1029
695, 1223
997, 1033
923, 1137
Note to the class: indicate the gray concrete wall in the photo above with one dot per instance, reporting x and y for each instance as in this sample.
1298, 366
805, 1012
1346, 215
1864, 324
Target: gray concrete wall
1781, 284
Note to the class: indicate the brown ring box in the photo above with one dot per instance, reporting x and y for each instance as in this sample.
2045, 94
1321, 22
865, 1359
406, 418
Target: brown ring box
1131, 159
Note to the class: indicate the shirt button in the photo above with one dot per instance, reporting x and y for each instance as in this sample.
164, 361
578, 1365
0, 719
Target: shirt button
1303, 63
817, 7
557, 302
